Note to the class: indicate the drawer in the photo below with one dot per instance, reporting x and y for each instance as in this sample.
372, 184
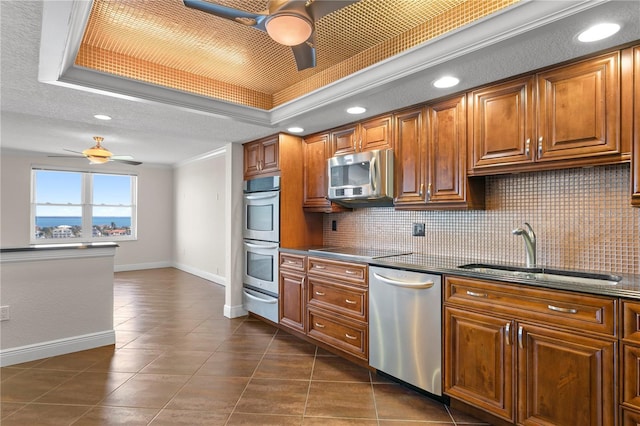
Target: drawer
631, 321
355, 273
347, 300
582, 312
293, 262
340, 333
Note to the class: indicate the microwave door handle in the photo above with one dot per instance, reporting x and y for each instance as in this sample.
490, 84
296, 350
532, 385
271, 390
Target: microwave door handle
260, 197
374, 173
261, 246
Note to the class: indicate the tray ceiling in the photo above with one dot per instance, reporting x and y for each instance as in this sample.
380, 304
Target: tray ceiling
167, 44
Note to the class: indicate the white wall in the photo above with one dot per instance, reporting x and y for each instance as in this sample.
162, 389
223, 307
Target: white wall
152, 249
199, 187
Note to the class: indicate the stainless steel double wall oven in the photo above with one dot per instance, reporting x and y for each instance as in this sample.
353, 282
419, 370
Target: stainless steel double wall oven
261, 234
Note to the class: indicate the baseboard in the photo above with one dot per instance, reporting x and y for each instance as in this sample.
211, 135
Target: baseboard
234, 311
139, 266
200, 273
51, 348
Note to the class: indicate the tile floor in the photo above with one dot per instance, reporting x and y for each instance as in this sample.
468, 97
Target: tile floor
179, 361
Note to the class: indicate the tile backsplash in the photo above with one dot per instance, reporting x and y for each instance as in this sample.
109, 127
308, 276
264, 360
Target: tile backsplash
582, 219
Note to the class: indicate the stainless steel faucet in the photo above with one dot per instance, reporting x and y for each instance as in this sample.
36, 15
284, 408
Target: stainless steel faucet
529, 243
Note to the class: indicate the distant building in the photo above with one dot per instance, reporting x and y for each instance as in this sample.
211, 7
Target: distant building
62, 231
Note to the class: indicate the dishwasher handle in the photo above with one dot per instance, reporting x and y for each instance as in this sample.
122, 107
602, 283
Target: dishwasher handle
405, 284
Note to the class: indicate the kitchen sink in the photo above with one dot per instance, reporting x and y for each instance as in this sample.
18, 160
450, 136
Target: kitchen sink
558, 275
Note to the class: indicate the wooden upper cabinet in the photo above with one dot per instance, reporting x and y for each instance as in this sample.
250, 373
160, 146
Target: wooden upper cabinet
315, 153
410, 158
574, 120
446, 157
501, 125
633, 132
261, 157
579, 109
368, 135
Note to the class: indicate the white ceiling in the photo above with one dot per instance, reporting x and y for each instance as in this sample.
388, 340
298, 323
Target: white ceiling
162, 126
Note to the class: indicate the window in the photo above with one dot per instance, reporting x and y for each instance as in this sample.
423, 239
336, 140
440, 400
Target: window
73, 206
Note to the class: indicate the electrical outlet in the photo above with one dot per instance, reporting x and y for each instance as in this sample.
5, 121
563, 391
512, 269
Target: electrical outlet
418, 230
4, 313
334, 225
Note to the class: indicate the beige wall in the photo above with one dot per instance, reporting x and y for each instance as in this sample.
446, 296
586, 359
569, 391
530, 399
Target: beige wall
152, 249
582, 218
200, 216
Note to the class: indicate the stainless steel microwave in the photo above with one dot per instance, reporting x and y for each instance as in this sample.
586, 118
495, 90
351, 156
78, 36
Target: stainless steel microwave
363, 179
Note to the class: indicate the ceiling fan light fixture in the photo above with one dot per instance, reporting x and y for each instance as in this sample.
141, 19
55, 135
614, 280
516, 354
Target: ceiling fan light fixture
97, 151
289, 28
97, 160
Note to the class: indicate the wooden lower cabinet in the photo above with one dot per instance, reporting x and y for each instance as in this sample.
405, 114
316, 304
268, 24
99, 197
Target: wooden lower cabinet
527, 367
292, 300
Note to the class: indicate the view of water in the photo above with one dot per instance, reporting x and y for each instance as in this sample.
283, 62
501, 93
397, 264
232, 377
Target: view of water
53, 221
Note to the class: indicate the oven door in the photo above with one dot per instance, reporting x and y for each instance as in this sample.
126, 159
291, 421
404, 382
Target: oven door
260, 303
261, 265
261, 218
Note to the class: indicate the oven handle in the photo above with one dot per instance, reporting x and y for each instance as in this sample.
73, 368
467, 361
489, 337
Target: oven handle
261, 196
406, 284
261, 246
270, 301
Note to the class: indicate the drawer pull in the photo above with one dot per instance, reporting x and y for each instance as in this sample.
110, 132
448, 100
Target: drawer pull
319, 293
520, 332
507, 333
351, 302
563, 310
319, 267
348, 336
350, 272
317, 324
474, 294
291, 262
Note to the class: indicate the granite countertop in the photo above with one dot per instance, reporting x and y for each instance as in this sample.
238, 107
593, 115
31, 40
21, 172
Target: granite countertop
628, 287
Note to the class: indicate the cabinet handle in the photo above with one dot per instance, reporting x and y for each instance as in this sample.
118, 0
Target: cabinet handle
520, 332
290, 262
317, 324
350, 272
474, 294
351, 302
360, 145
348, 336
319, 293
563, 310
319, 267
540, 147
526, 147
421, 189
429, 191
507, 333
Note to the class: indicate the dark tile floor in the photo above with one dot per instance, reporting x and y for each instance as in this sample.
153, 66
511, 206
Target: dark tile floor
179, 361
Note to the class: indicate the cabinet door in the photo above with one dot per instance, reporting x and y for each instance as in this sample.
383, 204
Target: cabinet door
565, 378
252, 155
410, 159
376, 134
292, 300
579, 110
635, 141
479, 361
314, 151
269, 157
446, 145
630, 375
502, 124
343, 140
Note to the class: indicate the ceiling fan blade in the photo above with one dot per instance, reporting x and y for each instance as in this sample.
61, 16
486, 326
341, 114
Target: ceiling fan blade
76, 152
120, 160
305, 55
320, 8
121, 157
66, 156
255, 20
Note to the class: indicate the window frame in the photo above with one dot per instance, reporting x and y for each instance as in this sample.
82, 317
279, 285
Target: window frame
86, 206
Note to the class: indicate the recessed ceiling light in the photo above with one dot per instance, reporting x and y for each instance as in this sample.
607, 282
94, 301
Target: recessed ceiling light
598, 32
356, 110
446, 81
295, 129
102, 117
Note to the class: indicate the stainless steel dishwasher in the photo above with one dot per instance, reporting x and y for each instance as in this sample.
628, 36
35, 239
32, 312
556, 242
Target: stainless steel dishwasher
405, 323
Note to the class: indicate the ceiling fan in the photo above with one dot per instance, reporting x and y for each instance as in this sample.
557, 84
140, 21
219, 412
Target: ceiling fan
288, 22
99, 155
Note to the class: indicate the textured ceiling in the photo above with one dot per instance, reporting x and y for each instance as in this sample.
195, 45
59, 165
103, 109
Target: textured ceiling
165, 43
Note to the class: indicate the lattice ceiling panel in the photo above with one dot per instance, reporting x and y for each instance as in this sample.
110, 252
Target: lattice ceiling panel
164, 42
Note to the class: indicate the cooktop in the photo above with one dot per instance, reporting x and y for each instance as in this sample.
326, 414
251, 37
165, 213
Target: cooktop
358, 253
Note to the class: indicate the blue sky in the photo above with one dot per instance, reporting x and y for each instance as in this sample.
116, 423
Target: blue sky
66, 188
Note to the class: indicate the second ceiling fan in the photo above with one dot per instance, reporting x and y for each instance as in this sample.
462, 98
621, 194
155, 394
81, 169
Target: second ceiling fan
288, 22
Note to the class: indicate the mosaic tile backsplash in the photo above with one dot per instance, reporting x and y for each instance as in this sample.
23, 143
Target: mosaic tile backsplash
582, 219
